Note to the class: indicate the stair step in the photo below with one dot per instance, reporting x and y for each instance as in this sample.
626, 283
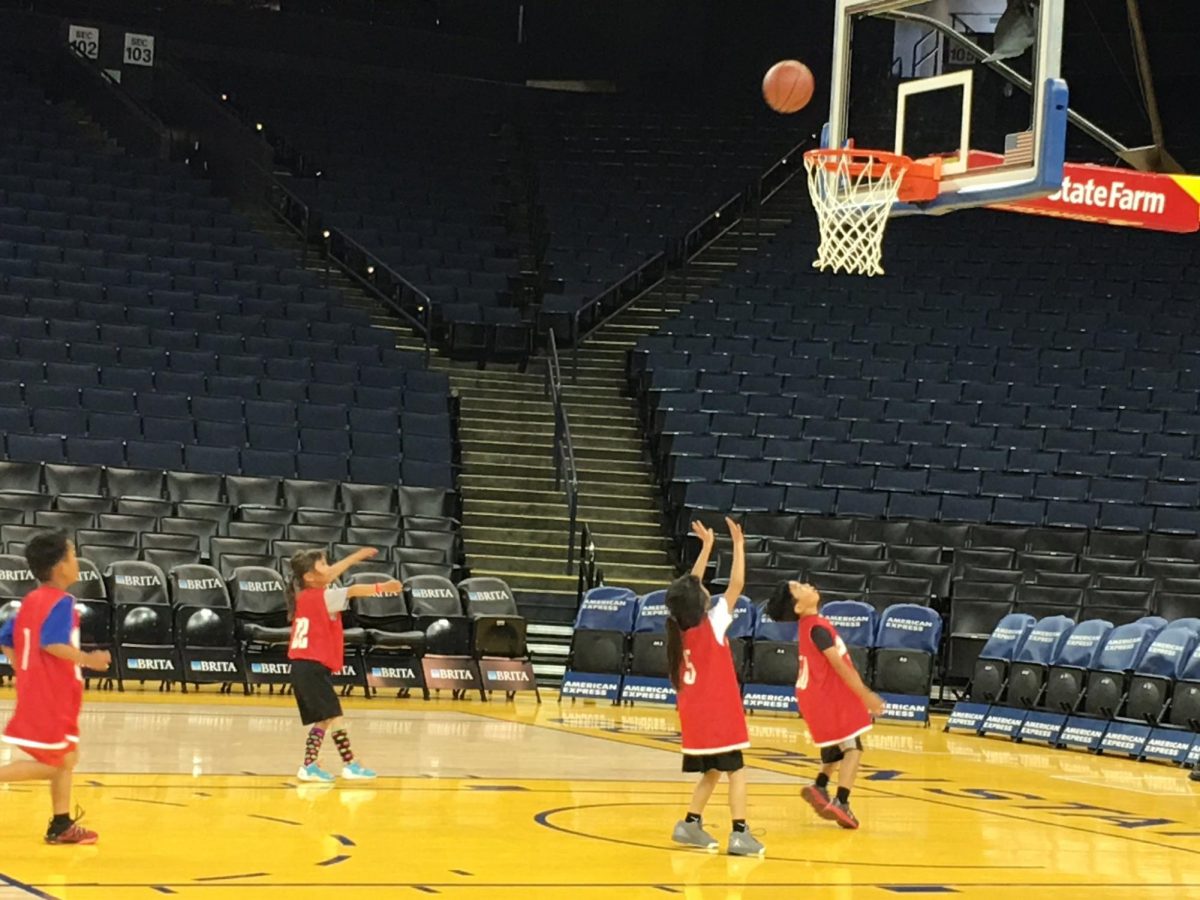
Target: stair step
479, 485
503, 516
535, 432
557, 508
557, 550
589, 449
540, 536
521, 567
568, 584
521, 494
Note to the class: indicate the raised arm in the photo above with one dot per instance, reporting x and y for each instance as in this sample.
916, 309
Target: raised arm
849, 674
707, 539
371, 590
737, 573
336, 570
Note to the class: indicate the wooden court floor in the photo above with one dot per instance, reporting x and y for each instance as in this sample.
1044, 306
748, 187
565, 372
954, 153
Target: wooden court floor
195, 797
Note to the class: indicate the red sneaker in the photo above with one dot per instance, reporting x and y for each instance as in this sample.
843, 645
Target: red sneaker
818, 799
74, 833
840, 813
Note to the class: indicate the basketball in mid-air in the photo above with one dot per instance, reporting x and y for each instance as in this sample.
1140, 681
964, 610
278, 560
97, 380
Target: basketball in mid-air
788, 86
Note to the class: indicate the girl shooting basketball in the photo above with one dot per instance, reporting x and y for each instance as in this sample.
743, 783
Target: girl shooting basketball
711, 715
317, 651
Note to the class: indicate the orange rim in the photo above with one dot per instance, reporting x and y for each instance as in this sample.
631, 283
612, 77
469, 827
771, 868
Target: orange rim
919, 178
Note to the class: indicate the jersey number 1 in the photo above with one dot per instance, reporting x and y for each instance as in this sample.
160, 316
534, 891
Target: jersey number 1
300, 635
689, 669
25, 651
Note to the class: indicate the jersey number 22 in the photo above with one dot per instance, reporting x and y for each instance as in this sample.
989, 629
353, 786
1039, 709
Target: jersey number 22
300, 635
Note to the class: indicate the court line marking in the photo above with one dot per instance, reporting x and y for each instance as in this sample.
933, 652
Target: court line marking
29, 889
610, 886
543, 818
751, 761
1184, 790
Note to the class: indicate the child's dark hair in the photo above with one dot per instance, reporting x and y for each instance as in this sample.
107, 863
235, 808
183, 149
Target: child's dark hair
46, 550
302, 562
782, 606
686, 605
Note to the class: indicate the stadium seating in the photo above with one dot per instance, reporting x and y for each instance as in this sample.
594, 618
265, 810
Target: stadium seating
143, 324
1028, 670
998, 654
602, 628
648, 646
990, 388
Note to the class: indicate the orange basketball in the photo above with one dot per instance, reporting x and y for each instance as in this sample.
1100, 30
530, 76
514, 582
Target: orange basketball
788, 86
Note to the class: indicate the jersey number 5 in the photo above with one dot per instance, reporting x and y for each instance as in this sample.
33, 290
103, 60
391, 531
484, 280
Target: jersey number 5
802, 677
300, 635
689, 670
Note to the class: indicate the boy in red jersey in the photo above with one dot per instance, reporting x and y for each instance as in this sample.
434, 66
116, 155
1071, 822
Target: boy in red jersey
711, 716
42, 645
317, 650
835, 703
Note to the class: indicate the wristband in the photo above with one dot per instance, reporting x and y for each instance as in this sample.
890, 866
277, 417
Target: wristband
378, 588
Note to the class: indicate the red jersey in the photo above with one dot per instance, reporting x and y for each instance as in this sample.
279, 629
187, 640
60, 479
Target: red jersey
317, 627
711, 715
45, 722
832, 711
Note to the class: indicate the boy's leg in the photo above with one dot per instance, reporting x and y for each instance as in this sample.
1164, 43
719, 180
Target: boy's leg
847, 772
26, 770
63, 829
817, 793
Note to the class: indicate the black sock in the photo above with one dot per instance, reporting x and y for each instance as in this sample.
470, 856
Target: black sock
822, 780
739, 824
59, 824
693, 818
843, 795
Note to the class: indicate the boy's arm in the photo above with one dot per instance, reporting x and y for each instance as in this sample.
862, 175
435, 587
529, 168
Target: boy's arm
737, 573
707, 539
336, 570
849, 674
6, 642
96, 660
56, 638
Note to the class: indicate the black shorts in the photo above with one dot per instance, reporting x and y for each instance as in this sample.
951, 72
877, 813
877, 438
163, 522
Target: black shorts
312, 684
836, 752
730, 761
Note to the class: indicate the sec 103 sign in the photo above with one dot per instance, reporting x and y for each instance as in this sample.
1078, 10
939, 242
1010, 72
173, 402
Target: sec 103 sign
139, 49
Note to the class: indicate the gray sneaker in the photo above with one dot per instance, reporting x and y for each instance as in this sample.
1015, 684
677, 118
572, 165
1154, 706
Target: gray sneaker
692, 834
743, 843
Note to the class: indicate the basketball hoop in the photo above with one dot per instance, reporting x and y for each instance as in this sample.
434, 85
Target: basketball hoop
853, 192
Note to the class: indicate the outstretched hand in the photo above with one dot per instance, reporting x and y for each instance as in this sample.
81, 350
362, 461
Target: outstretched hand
706, 535
389, 587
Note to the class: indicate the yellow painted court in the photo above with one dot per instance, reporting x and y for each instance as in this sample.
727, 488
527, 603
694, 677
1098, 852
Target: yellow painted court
195, 797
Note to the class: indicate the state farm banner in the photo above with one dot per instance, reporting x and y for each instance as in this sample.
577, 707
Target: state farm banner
1121, 197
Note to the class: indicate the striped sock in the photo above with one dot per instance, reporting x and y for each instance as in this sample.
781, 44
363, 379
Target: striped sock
312, 745
342, 740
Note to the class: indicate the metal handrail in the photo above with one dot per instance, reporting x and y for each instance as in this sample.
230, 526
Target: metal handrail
623, 290
359, 263
589, 574
565, 470
401, 295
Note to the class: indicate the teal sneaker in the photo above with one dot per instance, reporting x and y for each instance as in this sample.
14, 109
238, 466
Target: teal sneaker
314, 772
356, 771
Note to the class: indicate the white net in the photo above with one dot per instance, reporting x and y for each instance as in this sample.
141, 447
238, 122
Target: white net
853, 194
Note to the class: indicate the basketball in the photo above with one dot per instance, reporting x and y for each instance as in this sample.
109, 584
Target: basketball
788, 86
